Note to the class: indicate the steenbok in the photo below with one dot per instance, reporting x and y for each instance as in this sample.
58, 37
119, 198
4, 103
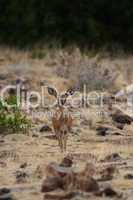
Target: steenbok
61, 119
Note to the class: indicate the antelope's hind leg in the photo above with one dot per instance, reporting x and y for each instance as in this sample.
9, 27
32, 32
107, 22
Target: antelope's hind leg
65, 142
60, 139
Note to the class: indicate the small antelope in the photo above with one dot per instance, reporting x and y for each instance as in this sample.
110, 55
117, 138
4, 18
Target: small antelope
61, 119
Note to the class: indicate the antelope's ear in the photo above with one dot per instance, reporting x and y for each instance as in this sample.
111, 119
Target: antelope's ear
65, 95
52, 92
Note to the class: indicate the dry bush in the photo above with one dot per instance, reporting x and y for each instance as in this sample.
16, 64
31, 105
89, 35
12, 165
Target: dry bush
92, 76
89, 73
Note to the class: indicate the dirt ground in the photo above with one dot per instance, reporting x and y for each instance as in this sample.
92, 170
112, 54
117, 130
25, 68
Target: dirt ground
37, 149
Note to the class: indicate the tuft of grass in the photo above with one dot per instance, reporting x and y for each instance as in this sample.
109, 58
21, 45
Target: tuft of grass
38, 54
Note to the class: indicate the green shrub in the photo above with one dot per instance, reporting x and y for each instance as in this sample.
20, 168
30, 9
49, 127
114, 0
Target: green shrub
13, 120
13, 123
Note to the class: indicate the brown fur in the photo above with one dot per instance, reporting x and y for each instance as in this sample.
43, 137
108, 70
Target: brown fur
62, 123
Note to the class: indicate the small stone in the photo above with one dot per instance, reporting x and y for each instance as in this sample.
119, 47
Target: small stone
112, 157
35, 135
7, 197
116, 133
53, 169
108, 192
3, 164
102, 131
4, 191
89, 170
21, 80
3, 77
129, 176
88, 184
21, 176
24, 165
67, 161
78, 181
45, 128
2, 141
61, 195
108, 173
51, 184
12, 91
85, 122
2, 59
5, 194
120, 126
121, 118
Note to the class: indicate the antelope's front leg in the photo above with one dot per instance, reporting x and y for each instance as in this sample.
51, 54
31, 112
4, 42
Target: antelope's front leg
65, 142
60, 139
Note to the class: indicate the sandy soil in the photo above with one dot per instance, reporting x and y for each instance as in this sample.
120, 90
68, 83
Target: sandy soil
38, 149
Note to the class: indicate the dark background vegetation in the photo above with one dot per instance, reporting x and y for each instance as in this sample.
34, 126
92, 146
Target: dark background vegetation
87, 23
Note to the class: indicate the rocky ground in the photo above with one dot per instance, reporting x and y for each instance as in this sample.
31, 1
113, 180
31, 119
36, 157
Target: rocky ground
94, 139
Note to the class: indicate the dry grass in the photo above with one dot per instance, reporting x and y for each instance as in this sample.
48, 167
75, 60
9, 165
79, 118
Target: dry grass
62, 68
68, 66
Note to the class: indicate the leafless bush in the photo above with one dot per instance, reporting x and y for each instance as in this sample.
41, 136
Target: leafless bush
94, 76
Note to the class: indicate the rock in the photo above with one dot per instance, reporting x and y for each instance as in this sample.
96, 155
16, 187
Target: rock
87, 184
4, 191
3, 164
108, 173
24, 165
61, 195
89, 170
21, 81
77, 181
2, 141
45, 128
102, 131
5, 194
112, 158
12, 91
34, 135
67, 161
120, 126
121, 118
129, 176
108, 192
7, 197
21, 177
85, 122
3, 77
65, 177
53, 169
51, 183
2, 59
116, 133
